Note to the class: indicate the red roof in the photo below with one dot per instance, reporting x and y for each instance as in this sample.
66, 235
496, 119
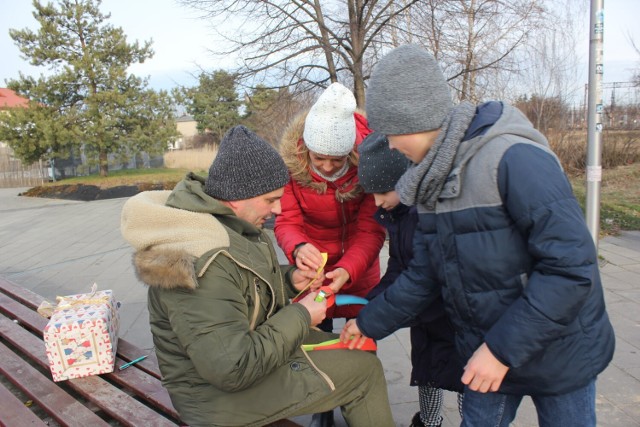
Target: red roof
9, 99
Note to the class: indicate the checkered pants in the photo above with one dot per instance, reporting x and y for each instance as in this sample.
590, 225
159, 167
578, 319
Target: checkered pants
431, 405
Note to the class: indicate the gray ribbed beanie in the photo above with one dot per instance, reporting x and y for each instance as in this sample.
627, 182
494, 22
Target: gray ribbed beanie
246, 166
379, 167
407, 93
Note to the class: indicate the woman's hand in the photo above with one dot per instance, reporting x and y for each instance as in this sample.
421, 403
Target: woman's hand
339, 277
308, 257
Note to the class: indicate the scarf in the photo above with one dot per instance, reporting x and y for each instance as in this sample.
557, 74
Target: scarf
423, 182
339, 174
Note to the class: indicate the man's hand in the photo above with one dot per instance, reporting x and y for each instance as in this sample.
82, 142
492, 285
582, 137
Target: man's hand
339, 277
317, 309
483, 371
351, 335
301, 278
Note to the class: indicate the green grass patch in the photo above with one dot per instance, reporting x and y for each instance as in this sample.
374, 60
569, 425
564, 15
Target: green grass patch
128, 177
619, 198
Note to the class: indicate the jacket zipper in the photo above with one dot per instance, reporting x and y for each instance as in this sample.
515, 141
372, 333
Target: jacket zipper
344, 226
322, 374
256, 306
274, 260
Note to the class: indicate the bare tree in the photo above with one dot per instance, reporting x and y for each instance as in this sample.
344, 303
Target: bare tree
549, 71
267, 109
474, 40
303, 44
636, 74
551, 62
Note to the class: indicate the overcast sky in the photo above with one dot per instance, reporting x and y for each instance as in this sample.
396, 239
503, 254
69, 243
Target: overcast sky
180, 39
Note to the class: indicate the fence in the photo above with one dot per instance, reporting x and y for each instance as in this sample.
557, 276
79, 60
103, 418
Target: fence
14, 174
195, 159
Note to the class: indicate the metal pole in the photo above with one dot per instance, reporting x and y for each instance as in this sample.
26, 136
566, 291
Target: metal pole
594, 119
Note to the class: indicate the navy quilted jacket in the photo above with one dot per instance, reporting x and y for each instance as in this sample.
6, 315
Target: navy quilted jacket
508, 249
434, 359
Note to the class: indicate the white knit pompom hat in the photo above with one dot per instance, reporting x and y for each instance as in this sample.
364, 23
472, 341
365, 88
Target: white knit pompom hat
330, 127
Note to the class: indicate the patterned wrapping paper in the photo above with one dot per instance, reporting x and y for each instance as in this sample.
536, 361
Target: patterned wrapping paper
81, 337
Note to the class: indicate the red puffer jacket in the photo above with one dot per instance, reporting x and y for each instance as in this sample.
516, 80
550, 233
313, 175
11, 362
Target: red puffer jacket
336, 217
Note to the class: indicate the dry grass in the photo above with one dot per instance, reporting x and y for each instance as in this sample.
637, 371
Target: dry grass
619, 147
619, 197
199, 159
620, 185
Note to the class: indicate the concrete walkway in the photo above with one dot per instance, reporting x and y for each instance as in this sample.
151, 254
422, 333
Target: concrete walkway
59, 247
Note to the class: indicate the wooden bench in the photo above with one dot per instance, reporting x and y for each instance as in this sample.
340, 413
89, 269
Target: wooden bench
130, 397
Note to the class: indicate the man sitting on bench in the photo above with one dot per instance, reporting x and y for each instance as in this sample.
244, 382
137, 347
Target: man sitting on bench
227, 339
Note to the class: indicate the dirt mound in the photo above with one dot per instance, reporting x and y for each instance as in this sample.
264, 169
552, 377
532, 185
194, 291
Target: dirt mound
87, 193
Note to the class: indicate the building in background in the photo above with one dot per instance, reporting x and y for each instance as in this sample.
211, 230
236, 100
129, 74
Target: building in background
187, 127
9, 99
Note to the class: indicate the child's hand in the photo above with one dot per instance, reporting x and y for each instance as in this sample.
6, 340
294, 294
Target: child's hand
351, 335
483, 371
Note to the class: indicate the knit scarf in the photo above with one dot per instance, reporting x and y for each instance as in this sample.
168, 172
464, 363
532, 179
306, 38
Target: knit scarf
336, 176
423, 182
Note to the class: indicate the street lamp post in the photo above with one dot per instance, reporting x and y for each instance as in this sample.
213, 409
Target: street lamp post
594, 119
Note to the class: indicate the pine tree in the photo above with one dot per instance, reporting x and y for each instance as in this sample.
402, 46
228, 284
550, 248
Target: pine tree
88, 98
213, 103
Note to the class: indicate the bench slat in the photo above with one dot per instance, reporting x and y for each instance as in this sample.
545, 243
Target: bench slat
14, 413
56, 402
28, 318
146, 387
128, 352
17, 292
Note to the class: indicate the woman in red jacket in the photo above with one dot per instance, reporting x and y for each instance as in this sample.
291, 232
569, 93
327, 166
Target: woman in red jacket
324, 208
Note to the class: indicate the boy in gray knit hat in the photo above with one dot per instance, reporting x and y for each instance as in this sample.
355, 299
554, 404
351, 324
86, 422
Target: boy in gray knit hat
227, 337
501, 238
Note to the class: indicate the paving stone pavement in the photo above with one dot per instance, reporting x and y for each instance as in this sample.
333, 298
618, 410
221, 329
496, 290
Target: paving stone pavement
61, 247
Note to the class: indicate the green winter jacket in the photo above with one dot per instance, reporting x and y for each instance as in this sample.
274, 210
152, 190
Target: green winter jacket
227, 340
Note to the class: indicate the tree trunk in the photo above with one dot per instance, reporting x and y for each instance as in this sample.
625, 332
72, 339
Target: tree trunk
104, 163
357, 43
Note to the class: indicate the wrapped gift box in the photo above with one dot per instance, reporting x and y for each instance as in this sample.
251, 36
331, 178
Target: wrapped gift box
81, 337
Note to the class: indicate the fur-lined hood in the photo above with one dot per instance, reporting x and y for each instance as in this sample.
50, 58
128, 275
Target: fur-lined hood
296, 156
170, 230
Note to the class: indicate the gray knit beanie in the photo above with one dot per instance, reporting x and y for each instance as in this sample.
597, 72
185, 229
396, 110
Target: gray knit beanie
379, 167
407, 93
246, 166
